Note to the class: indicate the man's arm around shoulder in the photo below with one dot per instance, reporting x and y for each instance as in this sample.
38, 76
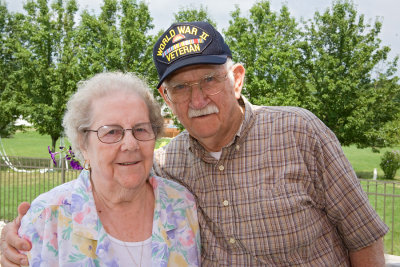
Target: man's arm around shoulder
11, 242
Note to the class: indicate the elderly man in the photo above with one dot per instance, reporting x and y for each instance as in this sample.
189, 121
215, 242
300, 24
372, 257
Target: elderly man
272, 184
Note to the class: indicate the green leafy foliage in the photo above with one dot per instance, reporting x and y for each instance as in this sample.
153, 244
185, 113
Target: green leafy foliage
333, 65
190, 13
390, 163
51, 54
267, 43
352, 94
117, 39
46, 54
9, 110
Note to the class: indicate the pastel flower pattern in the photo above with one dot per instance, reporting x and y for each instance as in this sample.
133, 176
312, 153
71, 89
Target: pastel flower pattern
64, 228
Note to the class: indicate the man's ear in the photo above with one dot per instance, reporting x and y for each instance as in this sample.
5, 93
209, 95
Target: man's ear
238, 74
161, 90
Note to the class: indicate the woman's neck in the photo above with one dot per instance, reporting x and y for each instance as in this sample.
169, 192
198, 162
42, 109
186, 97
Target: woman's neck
127, 220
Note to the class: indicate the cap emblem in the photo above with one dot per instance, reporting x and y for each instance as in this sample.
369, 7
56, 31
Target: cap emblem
181, 41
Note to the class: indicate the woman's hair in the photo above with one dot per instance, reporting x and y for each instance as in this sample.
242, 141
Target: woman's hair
78, 116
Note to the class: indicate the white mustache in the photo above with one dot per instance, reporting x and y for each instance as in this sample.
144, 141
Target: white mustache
209, 109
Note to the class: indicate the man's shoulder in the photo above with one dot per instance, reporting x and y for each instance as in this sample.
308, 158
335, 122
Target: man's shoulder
287, 118
285, 111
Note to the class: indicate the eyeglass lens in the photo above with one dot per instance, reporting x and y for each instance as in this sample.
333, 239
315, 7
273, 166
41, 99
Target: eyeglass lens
114, 133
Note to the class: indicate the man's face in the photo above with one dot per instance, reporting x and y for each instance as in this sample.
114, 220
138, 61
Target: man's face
208, 118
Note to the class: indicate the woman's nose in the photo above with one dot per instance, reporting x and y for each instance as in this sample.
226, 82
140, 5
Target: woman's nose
129, 142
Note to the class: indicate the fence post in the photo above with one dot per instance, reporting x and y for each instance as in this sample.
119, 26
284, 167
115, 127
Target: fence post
62, 171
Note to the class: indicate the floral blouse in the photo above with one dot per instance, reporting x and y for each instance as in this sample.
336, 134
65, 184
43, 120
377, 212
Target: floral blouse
64, 228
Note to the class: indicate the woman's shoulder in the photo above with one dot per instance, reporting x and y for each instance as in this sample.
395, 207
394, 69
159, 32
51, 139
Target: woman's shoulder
59, 195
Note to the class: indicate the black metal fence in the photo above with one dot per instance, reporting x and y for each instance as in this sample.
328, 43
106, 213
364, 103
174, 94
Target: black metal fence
384, 196
23, 179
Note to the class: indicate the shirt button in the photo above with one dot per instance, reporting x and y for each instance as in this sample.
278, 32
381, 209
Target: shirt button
237, 147
232, 240
225, 203
221, 167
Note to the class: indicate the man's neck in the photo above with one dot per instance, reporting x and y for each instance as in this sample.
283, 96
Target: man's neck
216, 143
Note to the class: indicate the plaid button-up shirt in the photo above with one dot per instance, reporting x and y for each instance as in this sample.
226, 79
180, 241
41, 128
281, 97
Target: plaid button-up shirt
281, 194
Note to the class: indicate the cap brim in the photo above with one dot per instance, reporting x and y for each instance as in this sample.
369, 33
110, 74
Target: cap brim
208, 59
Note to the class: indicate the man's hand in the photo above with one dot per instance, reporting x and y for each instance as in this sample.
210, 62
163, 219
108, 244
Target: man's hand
11, 243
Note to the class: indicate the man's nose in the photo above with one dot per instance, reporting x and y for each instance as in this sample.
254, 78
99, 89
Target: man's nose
198, 98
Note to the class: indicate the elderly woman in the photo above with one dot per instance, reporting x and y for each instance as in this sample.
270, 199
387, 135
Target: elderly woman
116, 213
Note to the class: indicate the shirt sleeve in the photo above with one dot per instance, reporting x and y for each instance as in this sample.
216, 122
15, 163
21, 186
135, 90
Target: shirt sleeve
346, 204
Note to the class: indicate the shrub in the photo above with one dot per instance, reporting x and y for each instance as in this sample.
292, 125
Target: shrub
390, 163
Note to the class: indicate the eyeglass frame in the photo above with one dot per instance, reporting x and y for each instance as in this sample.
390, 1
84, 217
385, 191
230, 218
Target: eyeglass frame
153, 127
224, 77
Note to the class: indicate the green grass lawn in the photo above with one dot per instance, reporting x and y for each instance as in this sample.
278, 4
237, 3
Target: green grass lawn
364, 161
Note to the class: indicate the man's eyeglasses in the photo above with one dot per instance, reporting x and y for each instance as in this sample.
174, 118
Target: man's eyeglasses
209, 85
111, 134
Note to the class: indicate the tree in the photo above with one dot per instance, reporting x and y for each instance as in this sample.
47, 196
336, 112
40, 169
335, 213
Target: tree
49, 75
53, 53
10, 98
117, 39
268, 44
6, 117
136, 23
352, 95
190, 13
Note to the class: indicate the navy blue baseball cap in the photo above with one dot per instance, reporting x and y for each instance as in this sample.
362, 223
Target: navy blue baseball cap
188, 43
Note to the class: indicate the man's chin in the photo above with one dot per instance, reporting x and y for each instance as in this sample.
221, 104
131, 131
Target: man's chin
201, 131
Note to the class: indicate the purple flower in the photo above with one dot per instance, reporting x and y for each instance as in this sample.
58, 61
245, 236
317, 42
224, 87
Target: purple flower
69, 155
53, 156
75, 165
71, 152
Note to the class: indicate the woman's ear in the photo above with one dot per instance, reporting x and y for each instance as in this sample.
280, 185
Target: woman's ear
83, 148
238, 74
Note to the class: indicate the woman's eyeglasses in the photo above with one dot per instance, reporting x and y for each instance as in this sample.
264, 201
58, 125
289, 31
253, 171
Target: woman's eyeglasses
111, 134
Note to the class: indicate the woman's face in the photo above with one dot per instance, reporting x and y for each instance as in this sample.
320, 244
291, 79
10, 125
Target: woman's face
127, 163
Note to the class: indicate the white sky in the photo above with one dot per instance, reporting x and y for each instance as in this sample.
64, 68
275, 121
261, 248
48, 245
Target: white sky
219, 10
